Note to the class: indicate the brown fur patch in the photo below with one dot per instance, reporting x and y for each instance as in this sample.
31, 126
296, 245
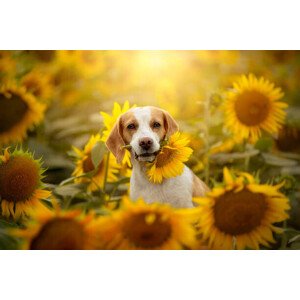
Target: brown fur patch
199, 187
126, 119
157, 115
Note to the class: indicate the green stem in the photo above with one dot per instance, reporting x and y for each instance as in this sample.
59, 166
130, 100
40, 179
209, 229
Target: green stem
106, 172
284, 239
247, 160
206, 139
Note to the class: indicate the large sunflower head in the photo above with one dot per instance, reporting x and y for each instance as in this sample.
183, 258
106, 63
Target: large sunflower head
58, 230
85, 164
20, 184
240, 213
252, 106
19, 112
170, 160
142, 226
38, 84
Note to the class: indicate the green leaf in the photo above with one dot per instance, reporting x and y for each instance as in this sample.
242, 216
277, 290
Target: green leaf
97, 153
264, 144
70, 190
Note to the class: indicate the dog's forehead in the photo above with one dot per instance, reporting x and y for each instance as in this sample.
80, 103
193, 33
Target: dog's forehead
146, 113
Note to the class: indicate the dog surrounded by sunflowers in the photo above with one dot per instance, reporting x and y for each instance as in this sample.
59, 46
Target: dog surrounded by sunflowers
138, 182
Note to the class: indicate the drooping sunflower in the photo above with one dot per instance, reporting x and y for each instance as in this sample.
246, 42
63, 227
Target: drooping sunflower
84, 164
19, 112
252, 106
38, 83
137, 225
109, 121
170, 161
20, 184
240, 213
58, 230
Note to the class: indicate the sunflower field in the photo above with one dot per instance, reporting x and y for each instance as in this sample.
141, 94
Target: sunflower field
239, 122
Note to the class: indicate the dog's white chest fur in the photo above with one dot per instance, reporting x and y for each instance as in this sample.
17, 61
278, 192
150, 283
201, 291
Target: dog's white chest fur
176, 191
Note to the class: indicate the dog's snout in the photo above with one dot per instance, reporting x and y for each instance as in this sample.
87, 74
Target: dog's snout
145, 143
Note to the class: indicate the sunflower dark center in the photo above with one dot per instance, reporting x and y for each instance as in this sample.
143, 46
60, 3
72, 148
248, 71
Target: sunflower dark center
239, 213
144, 235
12, 111
289, 139
19, 178
60, 234
252, 108
164, 157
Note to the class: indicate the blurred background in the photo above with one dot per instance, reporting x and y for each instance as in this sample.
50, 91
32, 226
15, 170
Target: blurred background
75, 86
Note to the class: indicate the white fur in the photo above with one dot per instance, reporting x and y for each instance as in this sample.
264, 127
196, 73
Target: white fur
176, 191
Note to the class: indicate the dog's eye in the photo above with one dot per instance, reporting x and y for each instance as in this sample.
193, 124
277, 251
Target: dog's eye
131, 126
156, 125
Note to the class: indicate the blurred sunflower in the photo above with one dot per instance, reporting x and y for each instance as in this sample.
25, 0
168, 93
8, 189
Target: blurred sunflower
289, 138
38, 84
7, 65
84, 164
20, 184
241, 211
109, 122
137, 225
19, 112
92, 62
57, 230
253, 106
170, 161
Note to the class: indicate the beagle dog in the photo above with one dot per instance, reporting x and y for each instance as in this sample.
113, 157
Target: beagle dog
143, 128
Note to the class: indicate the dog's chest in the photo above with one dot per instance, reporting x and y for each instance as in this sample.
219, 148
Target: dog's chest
176, 191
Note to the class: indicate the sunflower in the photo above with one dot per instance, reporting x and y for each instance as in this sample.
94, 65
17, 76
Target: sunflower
84, 164
38, 84
20, 184
240, 213
170, 161
253, 106
57, 230
289, 138
92, 62
19, 112
137, 225
7, 65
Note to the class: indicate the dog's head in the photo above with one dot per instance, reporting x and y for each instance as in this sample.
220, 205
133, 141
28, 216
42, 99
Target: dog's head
143, 128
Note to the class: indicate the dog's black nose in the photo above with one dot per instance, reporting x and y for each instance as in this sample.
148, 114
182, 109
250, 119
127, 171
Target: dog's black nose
145, 143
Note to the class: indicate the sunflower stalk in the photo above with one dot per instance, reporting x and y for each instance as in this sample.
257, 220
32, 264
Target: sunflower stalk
206, 139
106, 172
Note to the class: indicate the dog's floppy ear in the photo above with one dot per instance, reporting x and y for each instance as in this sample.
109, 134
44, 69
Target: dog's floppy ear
115, 142
170, 124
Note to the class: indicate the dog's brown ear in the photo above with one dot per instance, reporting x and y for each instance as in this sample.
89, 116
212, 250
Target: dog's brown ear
115, 142
170, 124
